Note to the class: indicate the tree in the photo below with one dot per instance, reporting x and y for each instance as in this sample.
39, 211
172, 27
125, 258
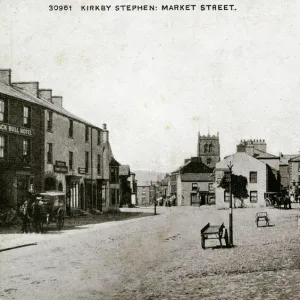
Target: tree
238, 187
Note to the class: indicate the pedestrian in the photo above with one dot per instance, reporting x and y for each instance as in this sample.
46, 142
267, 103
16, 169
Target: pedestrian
24, 214
37, 215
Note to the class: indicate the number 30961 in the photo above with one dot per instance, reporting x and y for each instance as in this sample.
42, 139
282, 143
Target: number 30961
60, 7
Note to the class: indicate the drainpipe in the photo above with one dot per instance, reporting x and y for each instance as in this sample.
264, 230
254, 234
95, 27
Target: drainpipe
91, 167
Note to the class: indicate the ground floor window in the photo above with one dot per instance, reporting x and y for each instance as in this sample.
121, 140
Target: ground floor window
226, 196
114, 196
253, 196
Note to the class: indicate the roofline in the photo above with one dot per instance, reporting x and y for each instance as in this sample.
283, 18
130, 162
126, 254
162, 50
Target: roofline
46, 108
25, 82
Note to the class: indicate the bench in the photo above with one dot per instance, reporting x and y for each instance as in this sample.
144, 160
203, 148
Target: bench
262, 216
214, 232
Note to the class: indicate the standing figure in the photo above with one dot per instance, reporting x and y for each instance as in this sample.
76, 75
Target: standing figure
25, 217
37, 215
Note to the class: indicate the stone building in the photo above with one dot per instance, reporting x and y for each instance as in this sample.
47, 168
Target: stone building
260, 177
45, 147
208, 149
143, 195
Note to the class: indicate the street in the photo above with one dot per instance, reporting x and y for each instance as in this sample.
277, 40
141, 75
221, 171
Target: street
157, 257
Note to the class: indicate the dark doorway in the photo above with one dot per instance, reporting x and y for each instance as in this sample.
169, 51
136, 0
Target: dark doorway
50, 184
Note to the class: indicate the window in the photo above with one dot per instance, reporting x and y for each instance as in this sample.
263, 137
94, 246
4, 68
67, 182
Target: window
26, 116
253, 196
253, 177
227, 176
3, 111
114, 175
71, 129
2, 146
194, 186
49, 124
211, 187
70, 160
298, 167
205, 148
98, 164
26, 148
226, 196
86, 133
50, 154
210, 148
208, 161
113, 196
86, 162
98, 137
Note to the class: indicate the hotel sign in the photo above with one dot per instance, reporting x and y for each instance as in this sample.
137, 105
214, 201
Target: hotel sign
60, 167
15, 129
81, 171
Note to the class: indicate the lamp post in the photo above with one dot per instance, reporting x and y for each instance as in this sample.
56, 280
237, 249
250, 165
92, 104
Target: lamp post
230, 207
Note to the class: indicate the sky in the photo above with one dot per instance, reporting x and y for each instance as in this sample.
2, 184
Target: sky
157, 78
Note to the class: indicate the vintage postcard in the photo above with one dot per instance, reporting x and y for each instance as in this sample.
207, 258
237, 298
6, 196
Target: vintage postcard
149, 149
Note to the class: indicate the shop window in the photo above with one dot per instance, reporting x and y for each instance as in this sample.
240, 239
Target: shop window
26, 116
211, 187
50, 154
253, 196
50, 184
253, 177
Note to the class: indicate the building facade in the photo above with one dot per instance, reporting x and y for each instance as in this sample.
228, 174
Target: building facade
44, 147
143, 195
259, 175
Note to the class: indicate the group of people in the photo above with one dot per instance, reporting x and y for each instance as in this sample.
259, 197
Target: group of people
32, 215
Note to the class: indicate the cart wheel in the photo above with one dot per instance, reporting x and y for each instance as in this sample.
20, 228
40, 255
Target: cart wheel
60, 218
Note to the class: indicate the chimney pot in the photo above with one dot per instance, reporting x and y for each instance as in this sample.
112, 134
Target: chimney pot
104, 126
57, 100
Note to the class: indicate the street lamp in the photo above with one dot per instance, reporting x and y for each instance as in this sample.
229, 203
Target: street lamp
230, 207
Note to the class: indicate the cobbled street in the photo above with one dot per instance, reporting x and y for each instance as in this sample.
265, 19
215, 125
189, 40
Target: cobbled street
157, 257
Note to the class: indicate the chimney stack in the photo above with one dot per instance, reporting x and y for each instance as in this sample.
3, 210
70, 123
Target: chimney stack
29, 87
57, 100
5, 75
105, 134
46, 95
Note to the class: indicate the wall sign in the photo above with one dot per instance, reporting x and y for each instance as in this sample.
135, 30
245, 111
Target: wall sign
60, 167
15, 129
81, 171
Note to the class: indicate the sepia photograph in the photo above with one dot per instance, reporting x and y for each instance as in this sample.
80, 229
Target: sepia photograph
149, 150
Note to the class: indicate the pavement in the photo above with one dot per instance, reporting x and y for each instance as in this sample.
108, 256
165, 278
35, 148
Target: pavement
157, 257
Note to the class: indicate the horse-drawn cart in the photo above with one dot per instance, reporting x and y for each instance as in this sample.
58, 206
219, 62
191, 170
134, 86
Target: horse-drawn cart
54, 207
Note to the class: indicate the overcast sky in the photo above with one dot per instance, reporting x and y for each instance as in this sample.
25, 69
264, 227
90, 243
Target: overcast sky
157, 78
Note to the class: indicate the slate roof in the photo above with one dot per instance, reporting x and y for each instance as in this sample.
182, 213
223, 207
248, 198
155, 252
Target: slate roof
296, 159
188, 177
19, 93
284, 160
262, 154
124, 170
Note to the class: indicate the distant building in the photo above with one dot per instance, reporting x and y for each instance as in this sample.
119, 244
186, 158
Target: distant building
191, 183
208, 149
143, 195
260, 177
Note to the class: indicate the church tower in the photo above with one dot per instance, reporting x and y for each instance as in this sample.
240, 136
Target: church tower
208, 149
